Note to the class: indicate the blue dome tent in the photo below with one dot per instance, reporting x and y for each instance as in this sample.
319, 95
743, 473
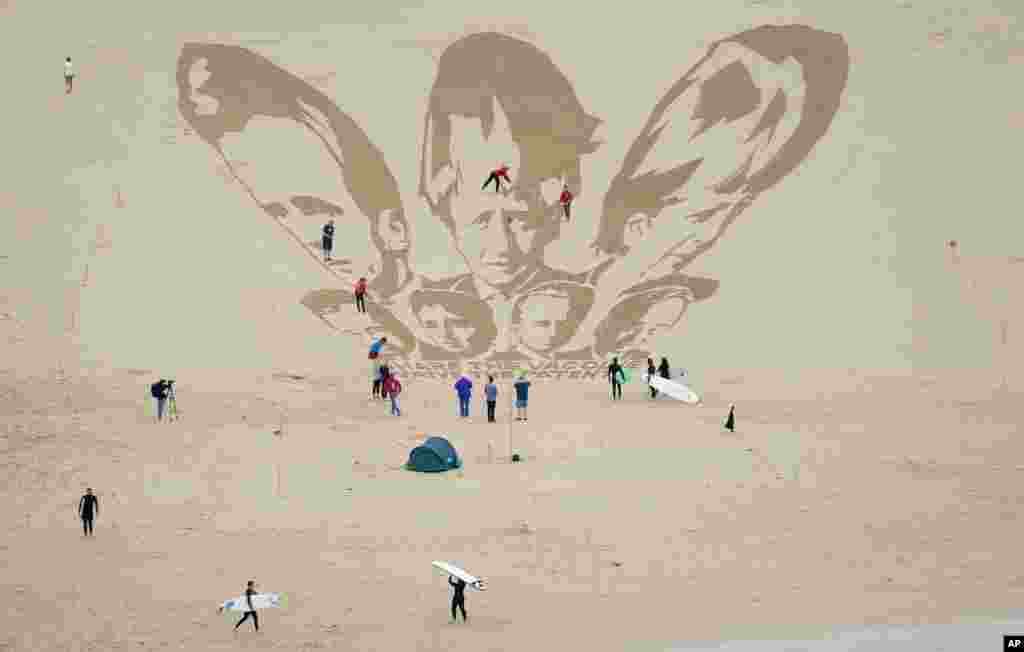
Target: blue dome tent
435, 455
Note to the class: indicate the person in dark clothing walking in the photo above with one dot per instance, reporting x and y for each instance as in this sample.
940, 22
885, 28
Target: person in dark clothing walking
663, 370
496, 176
651, 373
160, 390
730, 421
615, 375
88, 508
458, 597
328, 240
250, 590
491, 396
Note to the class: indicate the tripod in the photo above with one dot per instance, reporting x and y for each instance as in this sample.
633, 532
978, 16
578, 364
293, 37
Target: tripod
172, 405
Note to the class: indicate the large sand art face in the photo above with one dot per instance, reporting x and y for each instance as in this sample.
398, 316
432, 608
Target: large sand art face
735, 124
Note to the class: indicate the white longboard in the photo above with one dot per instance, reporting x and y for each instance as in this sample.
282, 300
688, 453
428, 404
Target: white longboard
455, 571
676, 390
259, 601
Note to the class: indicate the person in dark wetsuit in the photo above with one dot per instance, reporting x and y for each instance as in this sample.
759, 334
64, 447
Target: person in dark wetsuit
663, 370
88, 508
328, 240
615, 375
651, 373
250, 590
458, 597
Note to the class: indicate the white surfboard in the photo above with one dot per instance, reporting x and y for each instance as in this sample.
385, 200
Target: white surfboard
672, 388
452, 569
259, 601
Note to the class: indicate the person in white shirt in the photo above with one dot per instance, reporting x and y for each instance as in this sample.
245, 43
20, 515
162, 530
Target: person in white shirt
69, 75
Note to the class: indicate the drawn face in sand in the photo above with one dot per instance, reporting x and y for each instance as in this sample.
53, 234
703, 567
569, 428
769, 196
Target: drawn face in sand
735, 124
297, 155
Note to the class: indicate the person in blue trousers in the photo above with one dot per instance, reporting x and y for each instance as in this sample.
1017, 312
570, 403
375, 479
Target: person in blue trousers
464, 390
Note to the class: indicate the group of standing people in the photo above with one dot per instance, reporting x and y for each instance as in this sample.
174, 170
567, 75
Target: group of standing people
464, 393
385, 383
617, 375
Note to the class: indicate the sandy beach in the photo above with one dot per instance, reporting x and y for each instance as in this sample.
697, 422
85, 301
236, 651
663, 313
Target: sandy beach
806, 206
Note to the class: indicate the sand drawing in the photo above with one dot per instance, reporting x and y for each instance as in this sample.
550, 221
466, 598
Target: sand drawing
731, 127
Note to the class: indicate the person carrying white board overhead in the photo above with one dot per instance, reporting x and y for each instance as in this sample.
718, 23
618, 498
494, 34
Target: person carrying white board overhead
458, 597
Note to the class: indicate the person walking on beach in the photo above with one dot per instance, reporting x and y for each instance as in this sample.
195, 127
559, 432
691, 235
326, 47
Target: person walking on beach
652, 371
88, 508
159, 391
250, 590
360, 293
458, 597
491, 396
328, 240
730, 421
69, 76
496, 176
374, 356
464, 390
393, 388
522, 387
565, 199
615, 376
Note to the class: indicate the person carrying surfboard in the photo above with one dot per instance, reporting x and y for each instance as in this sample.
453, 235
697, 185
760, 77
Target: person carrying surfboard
458, 597
651, 372
615, 377
250, 590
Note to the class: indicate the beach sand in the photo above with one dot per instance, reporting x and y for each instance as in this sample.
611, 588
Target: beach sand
873, 478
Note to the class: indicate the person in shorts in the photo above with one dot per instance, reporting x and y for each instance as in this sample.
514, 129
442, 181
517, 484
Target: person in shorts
522, 387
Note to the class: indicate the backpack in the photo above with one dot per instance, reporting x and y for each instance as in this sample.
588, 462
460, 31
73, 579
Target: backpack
157, 389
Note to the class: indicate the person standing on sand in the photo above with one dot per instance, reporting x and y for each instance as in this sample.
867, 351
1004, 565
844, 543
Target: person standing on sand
385, 373
565, 199
88, 508
327, 242
663, 369
360, 293
496, 176
69, 76
522, 387
458, 597
652, 371
374, 356
491, 396
464, 390
730, 421
159, 391
393, 387
615, 376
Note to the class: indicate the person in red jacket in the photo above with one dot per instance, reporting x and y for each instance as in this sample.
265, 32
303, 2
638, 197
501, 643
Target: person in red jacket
360, 293
497, 176
393, 388
565, 199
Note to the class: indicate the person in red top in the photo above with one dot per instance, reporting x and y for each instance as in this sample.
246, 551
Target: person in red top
361, 294
565, 199
497, 176
393, 388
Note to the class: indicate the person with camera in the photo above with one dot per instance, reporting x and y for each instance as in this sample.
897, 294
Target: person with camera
161, 390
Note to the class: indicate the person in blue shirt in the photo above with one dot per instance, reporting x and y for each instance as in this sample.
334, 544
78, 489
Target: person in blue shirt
464, 390
522, 387
374, 357
491, 396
